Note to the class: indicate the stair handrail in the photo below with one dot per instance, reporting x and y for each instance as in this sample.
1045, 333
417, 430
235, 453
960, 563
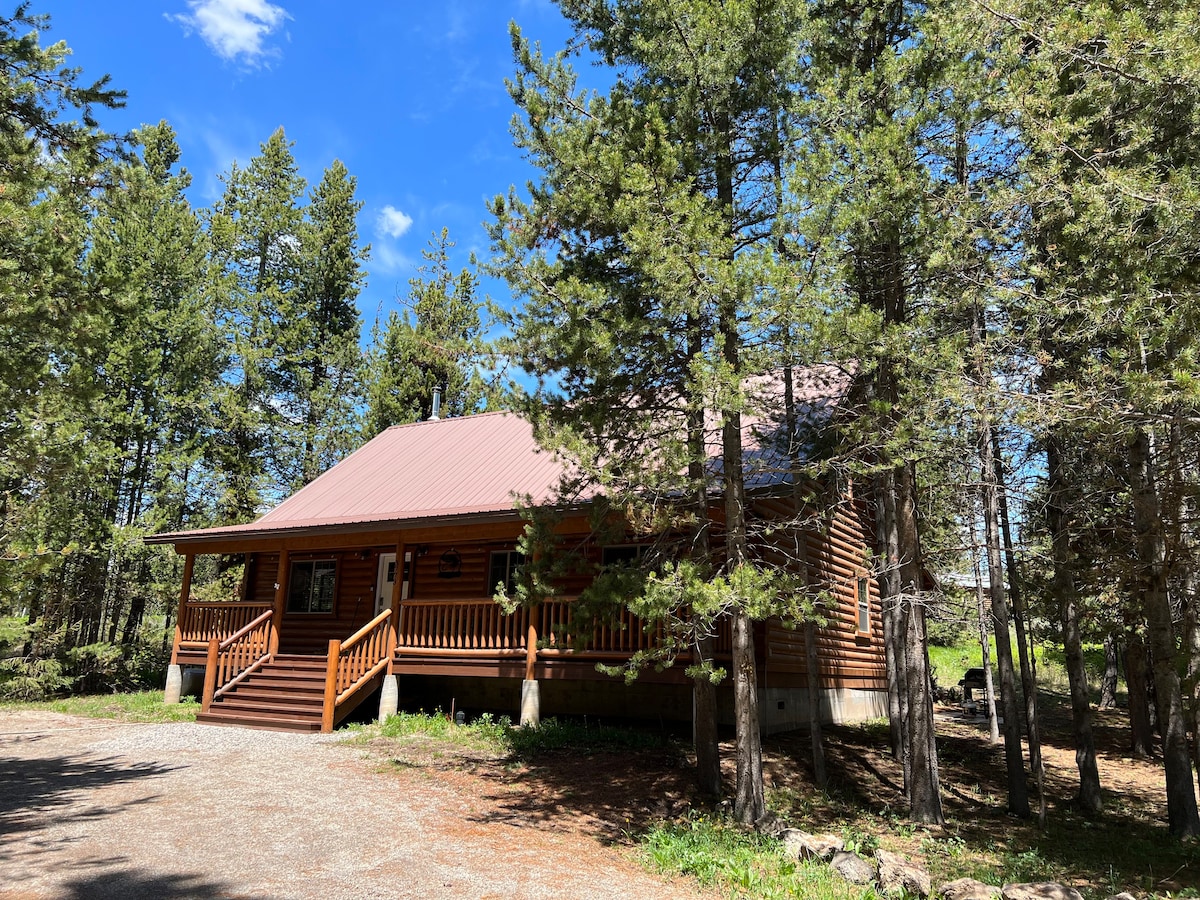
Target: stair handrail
353, 663
236, 658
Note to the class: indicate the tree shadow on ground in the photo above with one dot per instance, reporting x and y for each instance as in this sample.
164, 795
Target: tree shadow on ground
608, 795
1127, 847
35, 792
136, 884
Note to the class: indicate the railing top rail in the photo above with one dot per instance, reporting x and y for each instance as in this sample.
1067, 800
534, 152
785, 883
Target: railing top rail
227, 604
465, 601
245, 630
362, 633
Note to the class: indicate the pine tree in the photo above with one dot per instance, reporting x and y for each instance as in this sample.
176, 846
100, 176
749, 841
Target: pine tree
1108, 97
256, 231
317, 353
437, 344
638, 255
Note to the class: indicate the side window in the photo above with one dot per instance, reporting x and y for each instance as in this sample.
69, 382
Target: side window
863, 597
504, 570
311, 586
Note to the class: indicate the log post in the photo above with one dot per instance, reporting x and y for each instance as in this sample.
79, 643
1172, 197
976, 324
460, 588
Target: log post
280, 601
331, 670
531, 706
389, 694
174, 687
531, 639
397, 599
189, 565
210, 674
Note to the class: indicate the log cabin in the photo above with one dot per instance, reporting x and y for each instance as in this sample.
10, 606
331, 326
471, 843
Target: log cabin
377, 580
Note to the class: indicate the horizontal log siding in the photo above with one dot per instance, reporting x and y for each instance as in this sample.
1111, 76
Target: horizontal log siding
837, 557
353, 604
263, 569
430, 582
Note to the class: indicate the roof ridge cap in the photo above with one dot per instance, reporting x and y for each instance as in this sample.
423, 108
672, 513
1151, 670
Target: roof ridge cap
479, 415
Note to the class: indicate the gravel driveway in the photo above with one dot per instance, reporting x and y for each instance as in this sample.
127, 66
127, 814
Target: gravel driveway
92, 809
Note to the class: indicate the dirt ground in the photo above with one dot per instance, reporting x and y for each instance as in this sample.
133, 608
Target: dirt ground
92, 809
1126, 848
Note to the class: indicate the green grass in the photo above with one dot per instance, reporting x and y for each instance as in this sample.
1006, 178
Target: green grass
145, 706
484, 733
576, 737
740, 863
500, 736
951, 662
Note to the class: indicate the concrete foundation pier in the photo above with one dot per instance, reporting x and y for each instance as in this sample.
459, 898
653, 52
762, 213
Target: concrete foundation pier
531, 705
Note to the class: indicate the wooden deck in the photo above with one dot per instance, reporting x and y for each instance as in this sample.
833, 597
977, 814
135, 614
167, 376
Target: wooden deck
249, 682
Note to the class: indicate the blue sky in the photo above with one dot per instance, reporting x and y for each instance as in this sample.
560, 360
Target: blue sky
410, 96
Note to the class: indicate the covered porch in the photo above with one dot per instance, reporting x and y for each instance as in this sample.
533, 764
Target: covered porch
348, 613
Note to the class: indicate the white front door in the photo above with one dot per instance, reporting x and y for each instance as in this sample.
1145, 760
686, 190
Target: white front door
387, 578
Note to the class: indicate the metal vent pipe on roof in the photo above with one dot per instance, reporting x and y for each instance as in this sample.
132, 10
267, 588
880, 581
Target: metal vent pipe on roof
437, 404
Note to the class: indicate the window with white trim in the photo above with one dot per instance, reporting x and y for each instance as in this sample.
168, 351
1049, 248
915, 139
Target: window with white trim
862, 594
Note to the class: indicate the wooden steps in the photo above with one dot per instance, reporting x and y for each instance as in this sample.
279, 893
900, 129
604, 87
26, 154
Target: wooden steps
286, 694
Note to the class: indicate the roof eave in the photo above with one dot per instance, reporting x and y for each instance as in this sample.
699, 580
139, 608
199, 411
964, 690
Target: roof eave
255, 535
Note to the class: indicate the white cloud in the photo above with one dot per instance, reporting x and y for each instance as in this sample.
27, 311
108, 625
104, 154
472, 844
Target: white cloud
393, 222
234, 28
390, 261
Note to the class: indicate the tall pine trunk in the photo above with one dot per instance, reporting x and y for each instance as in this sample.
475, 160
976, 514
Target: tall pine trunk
1067, 600
1141, 730
893, 616
1183, 819
812, 662
1108, 684
1028, 663
925, 798
704, 693
1018, 791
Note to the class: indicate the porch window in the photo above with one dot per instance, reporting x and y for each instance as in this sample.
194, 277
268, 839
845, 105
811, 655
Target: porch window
863, 597
505, 569
311, 587
623, 554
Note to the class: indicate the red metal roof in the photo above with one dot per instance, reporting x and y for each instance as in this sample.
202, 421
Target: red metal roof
481, 464
427, 470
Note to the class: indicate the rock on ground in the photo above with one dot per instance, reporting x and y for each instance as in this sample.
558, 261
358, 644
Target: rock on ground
897, 874
805, 846
852, 867
1041, 890
968, 889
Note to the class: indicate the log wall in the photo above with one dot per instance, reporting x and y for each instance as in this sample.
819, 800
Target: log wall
837, 558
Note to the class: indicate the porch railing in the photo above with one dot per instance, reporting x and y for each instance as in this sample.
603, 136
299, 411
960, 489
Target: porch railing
478, 627
354, 663
201, 622
461, 627
234, 659
622, 636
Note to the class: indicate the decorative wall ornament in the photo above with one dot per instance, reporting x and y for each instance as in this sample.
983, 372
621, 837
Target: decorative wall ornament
450, 565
